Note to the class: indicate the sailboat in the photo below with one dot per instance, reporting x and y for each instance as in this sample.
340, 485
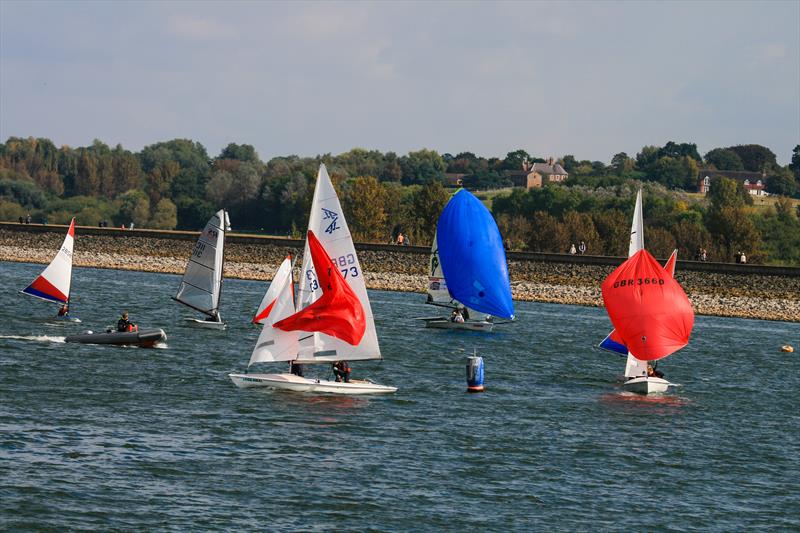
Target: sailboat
54, 283
468, 268
650, 312
202, 282
331, 320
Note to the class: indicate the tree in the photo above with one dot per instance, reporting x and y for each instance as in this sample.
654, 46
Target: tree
621, 163
239, 152
165, 215
795, 166
580, 228
514, 160
613, 227
515, 230
782, 182
422, 167
363, 203
428, 202
727, 219
133, 206
548, 234
724, 159
755, 158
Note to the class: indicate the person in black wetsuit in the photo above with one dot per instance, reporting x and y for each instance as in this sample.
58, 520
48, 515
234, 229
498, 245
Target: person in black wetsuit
123, 324
296, 369
342, 371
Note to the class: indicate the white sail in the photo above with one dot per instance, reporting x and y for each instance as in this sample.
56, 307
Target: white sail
328, 224
202, 281
437, 286
275, 344
634, 367
54, 283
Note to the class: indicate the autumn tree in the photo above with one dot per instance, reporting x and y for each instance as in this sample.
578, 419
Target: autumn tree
364, 203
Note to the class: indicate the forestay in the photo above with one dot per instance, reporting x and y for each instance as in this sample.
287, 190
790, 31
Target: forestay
202, 281
54, 283
327, 222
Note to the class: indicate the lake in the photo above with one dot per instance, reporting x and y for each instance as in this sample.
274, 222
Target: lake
130, 439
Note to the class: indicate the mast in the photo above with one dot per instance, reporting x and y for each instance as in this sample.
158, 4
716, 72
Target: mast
633, 366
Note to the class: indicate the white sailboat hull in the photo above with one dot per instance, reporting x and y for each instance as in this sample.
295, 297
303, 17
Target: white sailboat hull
299, 384
469, 325
647, 385
207, 324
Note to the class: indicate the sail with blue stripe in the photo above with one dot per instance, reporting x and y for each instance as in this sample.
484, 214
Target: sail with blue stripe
472, 257
53, 284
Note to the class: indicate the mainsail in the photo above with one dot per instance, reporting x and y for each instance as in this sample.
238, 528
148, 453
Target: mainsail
437, 285
281, 282
472, 257
53, 284
202, 282
329, 226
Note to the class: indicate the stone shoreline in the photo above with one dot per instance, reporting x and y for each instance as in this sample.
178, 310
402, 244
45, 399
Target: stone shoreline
719, 294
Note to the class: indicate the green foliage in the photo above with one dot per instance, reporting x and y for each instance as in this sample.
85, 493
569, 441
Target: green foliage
132, 206
364, 202
24, 193
11, 211
781, 234
421, 167
755, 158
239, 152
165, 215
795, 165
782, 182
724, 159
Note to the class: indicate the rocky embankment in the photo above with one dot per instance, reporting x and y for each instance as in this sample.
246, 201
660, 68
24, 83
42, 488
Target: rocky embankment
711, 293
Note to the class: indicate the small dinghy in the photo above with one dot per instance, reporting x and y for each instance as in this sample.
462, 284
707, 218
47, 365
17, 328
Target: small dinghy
651, 315
468, 268
53, 284
146, 338
331, 322
201, 284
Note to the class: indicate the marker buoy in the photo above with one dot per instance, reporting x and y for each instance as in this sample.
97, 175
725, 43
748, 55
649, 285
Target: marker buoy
474, 374
787, 348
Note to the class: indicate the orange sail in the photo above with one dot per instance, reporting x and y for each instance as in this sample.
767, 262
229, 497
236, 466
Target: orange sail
338, 312
648, 308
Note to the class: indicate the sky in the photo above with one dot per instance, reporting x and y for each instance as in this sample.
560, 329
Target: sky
590, 79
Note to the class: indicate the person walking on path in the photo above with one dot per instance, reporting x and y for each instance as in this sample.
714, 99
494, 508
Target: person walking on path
582, 248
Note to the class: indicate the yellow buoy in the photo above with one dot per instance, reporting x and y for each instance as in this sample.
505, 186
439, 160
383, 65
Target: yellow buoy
787, 348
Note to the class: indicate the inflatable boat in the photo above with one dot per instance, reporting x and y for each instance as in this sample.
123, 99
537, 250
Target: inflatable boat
145, 338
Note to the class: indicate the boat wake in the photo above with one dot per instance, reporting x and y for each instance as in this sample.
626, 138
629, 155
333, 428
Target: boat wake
36, 338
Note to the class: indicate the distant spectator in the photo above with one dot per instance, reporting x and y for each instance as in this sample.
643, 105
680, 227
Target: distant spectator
582, 247
698, 254
28, 219
743, 258
738, 257
131, 226
400, 239
703, 255
21, 220
572, 249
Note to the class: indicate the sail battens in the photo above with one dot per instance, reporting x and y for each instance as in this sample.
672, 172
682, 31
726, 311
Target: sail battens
202, 281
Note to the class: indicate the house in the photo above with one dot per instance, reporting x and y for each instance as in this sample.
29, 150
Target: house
534, 175
754, 182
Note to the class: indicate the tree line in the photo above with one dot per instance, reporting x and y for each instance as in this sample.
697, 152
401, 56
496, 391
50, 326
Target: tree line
176, 184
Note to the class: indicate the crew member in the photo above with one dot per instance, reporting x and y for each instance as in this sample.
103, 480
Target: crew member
123, 324
64, 311
342, 371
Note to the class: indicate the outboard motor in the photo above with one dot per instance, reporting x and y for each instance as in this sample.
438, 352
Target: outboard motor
474, 374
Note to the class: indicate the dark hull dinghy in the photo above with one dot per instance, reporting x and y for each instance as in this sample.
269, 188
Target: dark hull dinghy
146, 338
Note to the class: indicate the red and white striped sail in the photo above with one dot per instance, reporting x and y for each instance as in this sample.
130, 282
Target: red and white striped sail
53, 284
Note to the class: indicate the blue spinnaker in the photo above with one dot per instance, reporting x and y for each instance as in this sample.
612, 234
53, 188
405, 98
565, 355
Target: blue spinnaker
472, 256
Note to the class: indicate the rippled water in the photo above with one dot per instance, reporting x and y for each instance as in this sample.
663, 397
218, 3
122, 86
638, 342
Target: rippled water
108, 438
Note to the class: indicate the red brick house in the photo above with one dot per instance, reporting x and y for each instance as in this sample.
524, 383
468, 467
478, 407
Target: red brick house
754, 183
534, 175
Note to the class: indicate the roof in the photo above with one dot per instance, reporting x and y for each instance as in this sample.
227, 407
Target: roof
546, 170
737, 175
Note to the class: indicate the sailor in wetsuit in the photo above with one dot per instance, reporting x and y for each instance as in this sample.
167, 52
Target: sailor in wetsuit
342, 371
123, 324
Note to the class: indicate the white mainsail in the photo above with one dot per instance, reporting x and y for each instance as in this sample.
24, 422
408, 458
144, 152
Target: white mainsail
275, 344
54, 283
328, 224
437, 285
634, 367
202, 282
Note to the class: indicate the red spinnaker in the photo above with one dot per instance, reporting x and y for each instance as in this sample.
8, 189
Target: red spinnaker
338, 312
648, 308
